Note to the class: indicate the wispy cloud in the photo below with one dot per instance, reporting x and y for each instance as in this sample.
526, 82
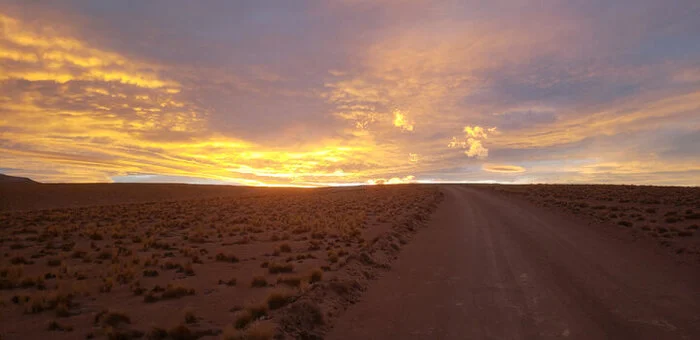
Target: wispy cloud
373, 91
503, 168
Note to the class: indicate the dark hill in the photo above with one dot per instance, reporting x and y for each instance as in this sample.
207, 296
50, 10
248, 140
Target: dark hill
13, 179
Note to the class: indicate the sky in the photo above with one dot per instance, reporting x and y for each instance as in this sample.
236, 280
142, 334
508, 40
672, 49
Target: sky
313, 93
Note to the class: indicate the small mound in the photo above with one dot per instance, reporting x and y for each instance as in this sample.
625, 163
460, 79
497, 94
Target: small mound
13, 179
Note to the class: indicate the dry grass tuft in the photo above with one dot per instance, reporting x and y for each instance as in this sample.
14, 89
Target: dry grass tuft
275, 268
259, 281
279, 298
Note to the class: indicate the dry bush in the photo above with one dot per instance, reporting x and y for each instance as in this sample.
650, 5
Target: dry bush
226, 258
230, 283
316, 275
259, 281
111, 318
133, 241
279, 298
56, 326
260, 331
242, 318
190, 316
176, 291
292, 281
275, 268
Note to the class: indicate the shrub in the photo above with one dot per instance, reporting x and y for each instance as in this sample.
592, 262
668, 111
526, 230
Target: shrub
157, 333
278, 299
55, 326
181, 332
672, 219
292, 281
190, 317
260, 331
174, 292
105, 255
226, 258
230, 283
257, 310
111, 318
150, 273
95, 236
258, 281
275, 268
243, 318
316, 275
20, 260
285, 248
53, 262
150, 298
694, 216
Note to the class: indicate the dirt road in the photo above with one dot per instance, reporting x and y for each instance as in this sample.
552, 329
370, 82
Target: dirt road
495, 267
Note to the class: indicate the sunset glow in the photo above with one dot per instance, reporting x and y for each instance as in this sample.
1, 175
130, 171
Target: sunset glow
350, 92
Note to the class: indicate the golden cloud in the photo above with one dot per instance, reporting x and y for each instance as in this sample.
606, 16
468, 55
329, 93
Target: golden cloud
502, 168
42, 54
402, 122
473, 141
393, 180
75, 112
80, 114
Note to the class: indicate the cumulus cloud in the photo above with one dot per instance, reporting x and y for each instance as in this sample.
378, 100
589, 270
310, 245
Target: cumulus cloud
393, 180
472, 142
401, 121
475, 149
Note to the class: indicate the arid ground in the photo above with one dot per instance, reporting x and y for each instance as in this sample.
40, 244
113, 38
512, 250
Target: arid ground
395, 261
237, 264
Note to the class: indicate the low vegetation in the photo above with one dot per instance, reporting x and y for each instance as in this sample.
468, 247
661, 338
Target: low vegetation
666, 214
69, 268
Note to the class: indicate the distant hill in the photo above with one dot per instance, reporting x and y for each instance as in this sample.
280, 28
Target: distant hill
13, 179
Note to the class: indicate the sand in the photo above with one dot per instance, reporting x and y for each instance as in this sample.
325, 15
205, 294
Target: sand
396, 262
229, 265
494, 266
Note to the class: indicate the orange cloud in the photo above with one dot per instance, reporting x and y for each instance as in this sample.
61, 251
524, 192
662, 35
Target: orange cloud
393, 180
98, 114
473, 141
402, 122
42, 54
502, 168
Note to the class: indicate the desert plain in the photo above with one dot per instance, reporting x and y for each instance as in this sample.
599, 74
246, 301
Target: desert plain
166, 261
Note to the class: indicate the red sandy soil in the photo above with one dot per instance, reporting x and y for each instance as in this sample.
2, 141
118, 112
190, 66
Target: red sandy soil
668, 215
493, 265
82, 261
493, 262
15, 195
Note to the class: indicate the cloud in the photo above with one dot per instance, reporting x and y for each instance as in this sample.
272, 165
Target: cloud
502, 168
393, 180
473, 141
95, 93
475, 149
477, 131
41, 54
401, 121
